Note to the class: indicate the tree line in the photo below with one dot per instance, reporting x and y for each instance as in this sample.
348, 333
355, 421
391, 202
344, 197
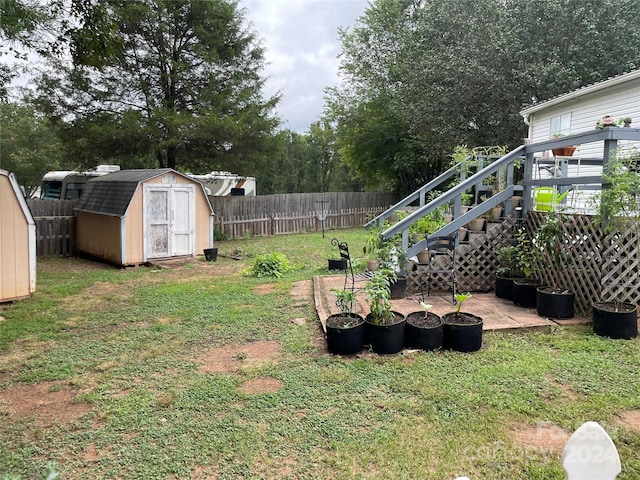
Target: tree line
178, 83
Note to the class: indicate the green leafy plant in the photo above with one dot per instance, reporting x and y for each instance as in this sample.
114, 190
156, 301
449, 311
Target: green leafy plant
378, 294
427, 307
373, 244
619, 206
460, 299
269, 265
508, 260
344, 299
552, 240
527, 255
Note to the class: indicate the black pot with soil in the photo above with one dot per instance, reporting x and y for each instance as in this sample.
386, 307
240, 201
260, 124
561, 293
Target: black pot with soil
552, 304
525, 292
345, 333
386, 338
423, 331
616, 320
461, 332
210, 254
504, 287
398, 288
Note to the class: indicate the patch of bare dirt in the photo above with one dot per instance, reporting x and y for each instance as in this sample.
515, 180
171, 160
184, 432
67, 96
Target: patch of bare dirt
265, 289
230, 358
261, 385
48, 402
631, 419
545, 436
301, 290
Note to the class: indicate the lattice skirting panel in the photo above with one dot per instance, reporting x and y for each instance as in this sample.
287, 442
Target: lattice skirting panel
475, 265
601, 267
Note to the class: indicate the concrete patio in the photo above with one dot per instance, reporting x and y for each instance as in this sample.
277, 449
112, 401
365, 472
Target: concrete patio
498, 314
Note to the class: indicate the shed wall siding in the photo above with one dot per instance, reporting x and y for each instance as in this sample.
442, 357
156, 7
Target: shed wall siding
134, 234
99, 235
123, 242
15, 269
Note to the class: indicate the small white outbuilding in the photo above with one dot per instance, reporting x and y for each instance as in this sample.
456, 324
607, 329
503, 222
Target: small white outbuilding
17, 242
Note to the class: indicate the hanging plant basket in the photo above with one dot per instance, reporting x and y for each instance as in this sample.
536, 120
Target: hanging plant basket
337, 263
564, 151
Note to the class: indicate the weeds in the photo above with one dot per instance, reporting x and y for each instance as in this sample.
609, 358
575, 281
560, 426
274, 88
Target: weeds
134, 351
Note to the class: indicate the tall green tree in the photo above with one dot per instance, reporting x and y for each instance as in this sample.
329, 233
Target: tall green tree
179, 80
28, 145
422, 76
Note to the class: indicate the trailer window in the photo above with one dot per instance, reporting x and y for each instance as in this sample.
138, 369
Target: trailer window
74, 190
51, 190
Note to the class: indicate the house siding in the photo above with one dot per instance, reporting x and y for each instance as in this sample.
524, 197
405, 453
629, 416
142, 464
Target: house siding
618, 100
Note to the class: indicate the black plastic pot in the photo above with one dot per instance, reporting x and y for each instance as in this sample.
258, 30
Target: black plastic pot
554, 305
211, 254
423, 337
345, 341
615, 320
504, 287
525, 292
337, 263
386, 339
398, 288
462, 334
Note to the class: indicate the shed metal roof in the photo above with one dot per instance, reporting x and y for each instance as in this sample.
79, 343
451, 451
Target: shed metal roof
112, 193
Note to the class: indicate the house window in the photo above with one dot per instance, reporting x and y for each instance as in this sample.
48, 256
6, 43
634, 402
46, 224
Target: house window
561, 124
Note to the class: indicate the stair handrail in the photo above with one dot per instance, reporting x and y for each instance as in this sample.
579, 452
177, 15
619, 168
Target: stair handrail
402, 226
417, 194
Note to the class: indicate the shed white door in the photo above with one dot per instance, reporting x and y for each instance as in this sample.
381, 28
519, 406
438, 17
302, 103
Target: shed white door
169, 220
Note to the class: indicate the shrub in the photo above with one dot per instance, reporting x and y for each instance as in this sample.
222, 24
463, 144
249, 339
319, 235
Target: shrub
269, 265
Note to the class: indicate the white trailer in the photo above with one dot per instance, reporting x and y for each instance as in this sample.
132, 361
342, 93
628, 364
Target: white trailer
224, 184
68, 184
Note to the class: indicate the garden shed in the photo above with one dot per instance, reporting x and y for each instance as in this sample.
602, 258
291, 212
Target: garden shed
130, 217
17, 242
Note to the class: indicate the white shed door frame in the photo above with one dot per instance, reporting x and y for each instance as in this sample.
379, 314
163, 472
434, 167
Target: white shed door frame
169, 219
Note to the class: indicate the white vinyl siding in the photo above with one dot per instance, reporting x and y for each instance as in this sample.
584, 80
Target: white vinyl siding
618, 100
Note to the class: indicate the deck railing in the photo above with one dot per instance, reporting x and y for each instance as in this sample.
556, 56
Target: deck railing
609, 136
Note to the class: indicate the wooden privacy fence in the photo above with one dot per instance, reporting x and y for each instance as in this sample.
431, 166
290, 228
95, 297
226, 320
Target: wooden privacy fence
55, 227
236, 217
266, 215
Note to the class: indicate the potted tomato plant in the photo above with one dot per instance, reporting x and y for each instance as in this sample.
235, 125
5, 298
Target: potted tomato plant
345, 330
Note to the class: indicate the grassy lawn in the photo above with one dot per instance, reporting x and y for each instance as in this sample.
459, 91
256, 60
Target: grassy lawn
200, 372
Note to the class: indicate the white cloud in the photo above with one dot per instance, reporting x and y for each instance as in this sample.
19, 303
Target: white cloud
302, 45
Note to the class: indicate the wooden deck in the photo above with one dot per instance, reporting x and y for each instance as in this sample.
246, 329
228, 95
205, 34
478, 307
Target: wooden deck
498, 314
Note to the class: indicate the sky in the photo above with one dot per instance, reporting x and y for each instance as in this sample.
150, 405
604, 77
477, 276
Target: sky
302, 46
